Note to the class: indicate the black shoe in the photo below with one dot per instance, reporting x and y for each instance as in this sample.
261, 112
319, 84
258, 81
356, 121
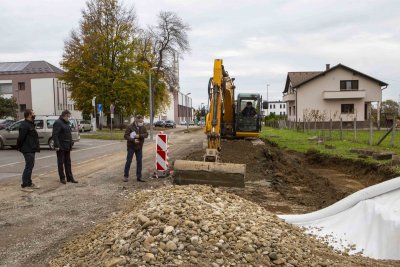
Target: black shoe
63, 181
140, 180
72, 181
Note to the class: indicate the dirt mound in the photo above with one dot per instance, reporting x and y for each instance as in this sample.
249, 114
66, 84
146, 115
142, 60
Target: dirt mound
199, 226
290, 182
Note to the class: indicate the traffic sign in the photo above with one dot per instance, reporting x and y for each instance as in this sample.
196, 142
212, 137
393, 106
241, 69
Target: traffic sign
99, 107
112, 108
93, 101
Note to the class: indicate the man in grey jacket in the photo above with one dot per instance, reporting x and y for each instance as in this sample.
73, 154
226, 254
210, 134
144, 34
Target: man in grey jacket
135, 135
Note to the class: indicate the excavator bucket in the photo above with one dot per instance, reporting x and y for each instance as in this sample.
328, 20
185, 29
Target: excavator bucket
211, 173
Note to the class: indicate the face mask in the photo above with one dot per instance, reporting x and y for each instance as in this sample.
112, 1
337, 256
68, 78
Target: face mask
140, 124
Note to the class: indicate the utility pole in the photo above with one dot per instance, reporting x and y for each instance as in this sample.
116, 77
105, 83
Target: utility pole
151, 104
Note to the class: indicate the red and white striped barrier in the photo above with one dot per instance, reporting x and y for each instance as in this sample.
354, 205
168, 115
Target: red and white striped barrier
162, 165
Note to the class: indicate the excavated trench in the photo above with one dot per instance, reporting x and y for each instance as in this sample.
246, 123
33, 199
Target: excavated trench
288, 182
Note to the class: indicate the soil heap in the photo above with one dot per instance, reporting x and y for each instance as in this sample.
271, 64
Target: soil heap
198, 226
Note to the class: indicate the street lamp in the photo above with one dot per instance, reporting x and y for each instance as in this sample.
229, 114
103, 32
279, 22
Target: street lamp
187, 110
151, 103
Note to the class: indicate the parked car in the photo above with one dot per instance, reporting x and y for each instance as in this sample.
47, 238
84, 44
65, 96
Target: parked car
159, 124
182, 123
5, 123
44, 127
170, 124
191, 123
84, 125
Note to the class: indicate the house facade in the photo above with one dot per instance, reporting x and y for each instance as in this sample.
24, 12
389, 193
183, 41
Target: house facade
337, 93
36, 85
275, 107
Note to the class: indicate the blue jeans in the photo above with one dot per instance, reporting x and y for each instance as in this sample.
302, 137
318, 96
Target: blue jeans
129, 158
27, 174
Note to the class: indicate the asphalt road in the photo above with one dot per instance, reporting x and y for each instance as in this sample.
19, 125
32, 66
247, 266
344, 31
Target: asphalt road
12, 162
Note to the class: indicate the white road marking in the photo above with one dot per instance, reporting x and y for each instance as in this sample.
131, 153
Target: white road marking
46, 157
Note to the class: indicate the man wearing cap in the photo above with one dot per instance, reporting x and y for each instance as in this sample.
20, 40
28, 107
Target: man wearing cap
135, 135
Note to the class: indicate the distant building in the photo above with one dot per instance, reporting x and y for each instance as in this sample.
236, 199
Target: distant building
275, 107
36, 85
339, 92
180, 105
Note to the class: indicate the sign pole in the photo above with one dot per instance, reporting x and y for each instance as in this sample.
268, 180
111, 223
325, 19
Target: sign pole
94, 110
112, 107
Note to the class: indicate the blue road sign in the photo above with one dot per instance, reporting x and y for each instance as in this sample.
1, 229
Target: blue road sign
99, 107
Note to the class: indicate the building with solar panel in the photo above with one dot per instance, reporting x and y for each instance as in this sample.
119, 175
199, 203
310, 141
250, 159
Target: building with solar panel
36, 85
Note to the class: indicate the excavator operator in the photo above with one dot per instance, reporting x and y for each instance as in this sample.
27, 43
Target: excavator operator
249, 110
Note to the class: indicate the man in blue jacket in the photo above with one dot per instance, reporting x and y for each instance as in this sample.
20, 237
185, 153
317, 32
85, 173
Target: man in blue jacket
28, 145
62, 136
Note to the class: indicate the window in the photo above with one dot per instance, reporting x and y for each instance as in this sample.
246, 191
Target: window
284, 113
6, 88
283, 105
72, 123
38, 124
348, 85
21, 86
280, 113
280, 105
270, 106
294, 110
50, 124
22, 107
274, 105
347, 108
290, 111
15, 126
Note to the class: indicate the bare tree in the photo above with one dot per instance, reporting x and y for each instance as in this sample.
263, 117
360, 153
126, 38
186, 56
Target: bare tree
169, 40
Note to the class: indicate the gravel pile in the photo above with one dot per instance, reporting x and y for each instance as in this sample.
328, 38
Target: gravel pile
198, 226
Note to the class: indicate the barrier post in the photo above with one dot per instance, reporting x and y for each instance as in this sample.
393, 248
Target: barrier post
162, 165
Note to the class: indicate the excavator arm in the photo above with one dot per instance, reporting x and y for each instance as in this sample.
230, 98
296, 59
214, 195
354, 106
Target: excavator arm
219, 122
213, 120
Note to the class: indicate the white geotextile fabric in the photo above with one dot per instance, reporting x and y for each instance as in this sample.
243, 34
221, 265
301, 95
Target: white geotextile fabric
367, 221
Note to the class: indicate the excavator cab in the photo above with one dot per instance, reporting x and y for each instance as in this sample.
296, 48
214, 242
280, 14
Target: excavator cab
248, 115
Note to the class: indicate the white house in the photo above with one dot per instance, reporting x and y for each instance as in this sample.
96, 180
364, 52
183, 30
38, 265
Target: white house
339, 92
275, 107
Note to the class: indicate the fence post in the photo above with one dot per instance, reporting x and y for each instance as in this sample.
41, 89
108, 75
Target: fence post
393, 130
355, 129
330, 128
304, 124
315, 126
370, 130
341, 129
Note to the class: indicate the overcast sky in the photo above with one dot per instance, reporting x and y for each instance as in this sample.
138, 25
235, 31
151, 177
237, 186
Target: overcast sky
259, 40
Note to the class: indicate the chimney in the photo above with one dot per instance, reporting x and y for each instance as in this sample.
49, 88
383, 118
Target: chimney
328, 66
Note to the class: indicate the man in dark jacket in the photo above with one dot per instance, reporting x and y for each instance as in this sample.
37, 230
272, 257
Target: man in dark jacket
62, 137
135, 135
28, 145
249, 110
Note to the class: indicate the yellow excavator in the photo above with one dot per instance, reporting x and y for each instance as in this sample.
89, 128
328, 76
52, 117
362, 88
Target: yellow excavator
227, 118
